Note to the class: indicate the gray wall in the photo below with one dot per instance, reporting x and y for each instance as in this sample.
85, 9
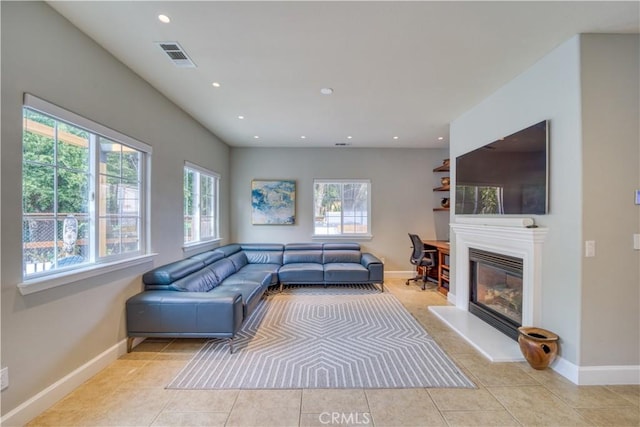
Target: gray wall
591, 303
48, 334
611, 174
402, 197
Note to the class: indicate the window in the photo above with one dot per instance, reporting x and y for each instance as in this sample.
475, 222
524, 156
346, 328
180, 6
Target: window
200, 204
83, 189
341, 207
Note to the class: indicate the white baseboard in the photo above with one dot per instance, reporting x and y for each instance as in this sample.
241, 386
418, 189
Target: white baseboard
597, 375
37, 404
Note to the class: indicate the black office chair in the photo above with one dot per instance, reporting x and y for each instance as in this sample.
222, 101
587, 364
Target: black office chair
421, 257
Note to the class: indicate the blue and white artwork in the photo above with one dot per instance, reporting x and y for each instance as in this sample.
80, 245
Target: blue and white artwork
273, 202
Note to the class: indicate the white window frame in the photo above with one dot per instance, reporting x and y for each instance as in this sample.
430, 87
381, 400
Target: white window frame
200, 243
343, 236
97, 265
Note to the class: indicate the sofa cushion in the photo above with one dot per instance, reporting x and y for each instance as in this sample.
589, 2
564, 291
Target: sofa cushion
303, 272
264, 269
223, 269
239, 260
201, 281
352, 246
340, 255
263, 253
208, 257
345, 273
228, 249
302, 256
303, 246
161, 277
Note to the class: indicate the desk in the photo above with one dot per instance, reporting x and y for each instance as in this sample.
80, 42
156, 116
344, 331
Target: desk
442, 246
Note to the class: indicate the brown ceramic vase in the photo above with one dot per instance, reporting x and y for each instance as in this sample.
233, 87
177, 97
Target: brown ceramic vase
538, 346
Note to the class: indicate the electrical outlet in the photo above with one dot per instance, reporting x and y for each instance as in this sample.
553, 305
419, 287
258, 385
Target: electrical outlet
636, 241
590, 248
4, 378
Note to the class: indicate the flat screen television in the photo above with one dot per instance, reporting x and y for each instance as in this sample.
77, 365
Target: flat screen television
509, 176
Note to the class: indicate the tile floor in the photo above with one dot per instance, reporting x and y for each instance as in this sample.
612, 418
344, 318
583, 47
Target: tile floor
130, 392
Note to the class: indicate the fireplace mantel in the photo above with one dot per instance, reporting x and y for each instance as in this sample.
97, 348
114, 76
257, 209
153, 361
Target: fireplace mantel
521, 242
517, 237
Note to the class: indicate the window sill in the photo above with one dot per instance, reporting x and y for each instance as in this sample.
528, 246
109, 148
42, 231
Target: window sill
31, 286
195, 248
351, 237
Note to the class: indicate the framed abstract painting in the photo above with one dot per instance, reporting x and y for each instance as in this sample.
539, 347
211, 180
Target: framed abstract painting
273, 202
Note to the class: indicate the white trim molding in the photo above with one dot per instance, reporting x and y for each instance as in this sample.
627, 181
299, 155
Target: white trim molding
597, 375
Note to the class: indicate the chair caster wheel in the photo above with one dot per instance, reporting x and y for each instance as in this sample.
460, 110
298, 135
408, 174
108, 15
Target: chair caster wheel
407, 283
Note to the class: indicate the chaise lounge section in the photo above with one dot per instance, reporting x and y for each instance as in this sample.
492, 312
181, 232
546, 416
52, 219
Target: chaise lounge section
210, 294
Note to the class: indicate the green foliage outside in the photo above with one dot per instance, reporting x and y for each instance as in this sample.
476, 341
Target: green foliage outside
56, 181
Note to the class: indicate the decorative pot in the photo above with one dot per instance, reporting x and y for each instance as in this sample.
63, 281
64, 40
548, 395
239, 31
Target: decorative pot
445, 181
444, 202
538, 346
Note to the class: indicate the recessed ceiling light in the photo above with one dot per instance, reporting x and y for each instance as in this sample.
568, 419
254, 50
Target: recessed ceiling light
440, 138
395, 137
164, 19
349, 137
303, 137
326, 91
256, 137
241, 117
215, 84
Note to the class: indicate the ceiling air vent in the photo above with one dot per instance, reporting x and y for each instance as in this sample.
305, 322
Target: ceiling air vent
342, 144
176, 54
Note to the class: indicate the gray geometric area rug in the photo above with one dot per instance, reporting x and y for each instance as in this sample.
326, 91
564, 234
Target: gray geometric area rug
315, 337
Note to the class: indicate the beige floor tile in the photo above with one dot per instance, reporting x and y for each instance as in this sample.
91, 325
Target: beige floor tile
452, 343
618, 417
266, 408
494, 374
268, 399
535, 405
264, 417
86, 398
191, 419
156, 373
629, 392
134, 398
499, 418
202, 401
587, 396
464, 399
403, 407
72, 418
334, 401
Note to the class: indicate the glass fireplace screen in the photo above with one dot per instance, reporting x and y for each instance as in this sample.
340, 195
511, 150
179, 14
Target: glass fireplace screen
498, 285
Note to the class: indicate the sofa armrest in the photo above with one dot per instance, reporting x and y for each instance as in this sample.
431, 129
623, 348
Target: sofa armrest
368, 259
375, 267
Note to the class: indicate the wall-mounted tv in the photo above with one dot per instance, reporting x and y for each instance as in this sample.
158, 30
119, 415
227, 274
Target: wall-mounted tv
508, 176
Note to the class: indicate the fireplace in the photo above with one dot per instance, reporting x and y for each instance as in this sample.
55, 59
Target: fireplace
496, 293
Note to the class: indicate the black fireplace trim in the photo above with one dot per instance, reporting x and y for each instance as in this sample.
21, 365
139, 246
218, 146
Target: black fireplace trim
502, 324
510, 264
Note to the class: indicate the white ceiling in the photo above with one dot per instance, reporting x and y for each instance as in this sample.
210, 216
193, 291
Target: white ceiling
402, 69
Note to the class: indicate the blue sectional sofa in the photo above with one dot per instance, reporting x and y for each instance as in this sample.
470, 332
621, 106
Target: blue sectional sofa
210, 294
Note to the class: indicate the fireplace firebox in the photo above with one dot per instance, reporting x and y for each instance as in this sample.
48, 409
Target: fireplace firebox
496, 290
